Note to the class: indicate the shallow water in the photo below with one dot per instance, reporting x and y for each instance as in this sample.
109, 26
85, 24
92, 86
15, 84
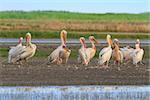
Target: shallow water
9, 41
75, 93
13, 40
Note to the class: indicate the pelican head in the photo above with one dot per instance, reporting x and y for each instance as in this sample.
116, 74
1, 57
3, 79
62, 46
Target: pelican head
137, 41
28, 38
116, 41
28, 34
20, 40
92, 39
109, 40
82, 41
137, 44
63, 36
108, 36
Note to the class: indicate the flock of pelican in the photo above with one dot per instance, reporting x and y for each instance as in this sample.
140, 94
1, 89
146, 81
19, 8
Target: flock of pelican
61, 54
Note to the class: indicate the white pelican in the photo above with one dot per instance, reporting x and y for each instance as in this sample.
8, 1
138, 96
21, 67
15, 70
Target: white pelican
28, 51
82, 58
13, 52
62, 53
105, 53
137, 54
91, 51
117, 54
126, 51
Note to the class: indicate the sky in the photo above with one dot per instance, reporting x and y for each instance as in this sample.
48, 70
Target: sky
84, 6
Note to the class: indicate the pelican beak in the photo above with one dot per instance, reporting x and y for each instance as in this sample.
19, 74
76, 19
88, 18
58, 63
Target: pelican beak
95, 40
27, 40
111, 43
83, 41
64, 38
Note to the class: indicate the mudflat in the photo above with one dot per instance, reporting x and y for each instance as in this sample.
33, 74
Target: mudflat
36, 72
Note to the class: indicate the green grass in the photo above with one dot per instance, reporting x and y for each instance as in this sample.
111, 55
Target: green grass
4, 52
43, 53
72, 35
62, 15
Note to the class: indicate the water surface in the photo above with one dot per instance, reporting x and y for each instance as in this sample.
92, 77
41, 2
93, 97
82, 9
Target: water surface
75, 93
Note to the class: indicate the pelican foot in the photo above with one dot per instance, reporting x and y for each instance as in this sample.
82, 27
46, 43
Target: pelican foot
141, 63
48, 63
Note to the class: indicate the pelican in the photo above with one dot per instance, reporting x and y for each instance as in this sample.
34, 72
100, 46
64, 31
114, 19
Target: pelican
126, 51
91, 51
13, 52
137, 54
117, 54
62, 53
28, 51
82, 52
105, 53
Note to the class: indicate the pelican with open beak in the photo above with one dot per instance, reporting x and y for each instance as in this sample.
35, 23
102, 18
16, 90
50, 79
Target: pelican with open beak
82, 58
28, 51
14, 51
91, 51
62, 53
105, 53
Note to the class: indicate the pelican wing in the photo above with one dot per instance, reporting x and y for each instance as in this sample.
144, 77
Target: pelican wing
25, 53
82, 55
90, 53
64, 54
103, 51
16, 51
54, 55
140, 52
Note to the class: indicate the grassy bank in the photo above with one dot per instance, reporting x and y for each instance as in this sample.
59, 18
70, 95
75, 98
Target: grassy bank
56, 21
73, 35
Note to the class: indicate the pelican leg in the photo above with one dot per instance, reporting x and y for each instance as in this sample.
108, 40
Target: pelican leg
118, 65
20, 62
114, 62
106, 66
66, 60
86, 63
79, 60
141, 63
136, 65
9, 59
